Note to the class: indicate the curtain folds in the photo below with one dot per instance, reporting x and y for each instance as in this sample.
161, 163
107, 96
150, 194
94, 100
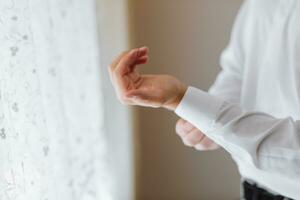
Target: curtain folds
52, 138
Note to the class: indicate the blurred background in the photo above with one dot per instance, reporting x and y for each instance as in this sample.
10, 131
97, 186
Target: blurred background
185, 39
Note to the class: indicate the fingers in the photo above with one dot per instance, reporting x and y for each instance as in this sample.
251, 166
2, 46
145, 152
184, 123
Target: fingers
142, 60
206, 144
152, 94
115, 62
144, 97
141, 54
123, 64
193, 137
183, 127
129, 60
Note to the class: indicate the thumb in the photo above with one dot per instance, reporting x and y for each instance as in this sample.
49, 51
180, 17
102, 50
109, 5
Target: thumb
144, 98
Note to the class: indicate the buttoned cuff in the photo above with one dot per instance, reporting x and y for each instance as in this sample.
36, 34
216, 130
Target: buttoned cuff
199, 108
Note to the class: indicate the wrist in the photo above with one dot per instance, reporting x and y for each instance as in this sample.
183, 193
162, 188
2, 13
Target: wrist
174, 102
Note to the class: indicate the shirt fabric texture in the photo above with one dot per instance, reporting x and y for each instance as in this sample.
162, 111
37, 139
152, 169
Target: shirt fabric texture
253, 108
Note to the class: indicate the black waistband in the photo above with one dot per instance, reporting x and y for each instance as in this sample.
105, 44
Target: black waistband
253, 192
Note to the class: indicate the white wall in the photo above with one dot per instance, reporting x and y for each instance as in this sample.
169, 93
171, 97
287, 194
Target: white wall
186, 39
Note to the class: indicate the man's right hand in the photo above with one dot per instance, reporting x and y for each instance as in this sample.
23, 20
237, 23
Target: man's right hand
193, 137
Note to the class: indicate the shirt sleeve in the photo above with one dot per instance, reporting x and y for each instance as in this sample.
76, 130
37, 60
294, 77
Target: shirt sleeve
257, 138
229, 81
269, 143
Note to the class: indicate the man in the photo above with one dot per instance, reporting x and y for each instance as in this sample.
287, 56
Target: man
253, 108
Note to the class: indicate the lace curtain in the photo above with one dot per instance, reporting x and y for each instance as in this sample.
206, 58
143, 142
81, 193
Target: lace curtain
52, 138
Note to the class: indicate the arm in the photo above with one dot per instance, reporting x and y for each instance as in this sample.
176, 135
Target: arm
269, 143
260, 139
227, 85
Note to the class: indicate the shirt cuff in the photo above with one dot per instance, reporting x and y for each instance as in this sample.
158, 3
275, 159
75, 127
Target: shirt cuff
199, 108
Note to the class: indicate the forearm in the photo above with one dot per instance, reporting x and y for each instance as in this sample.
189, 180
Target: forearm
262, 140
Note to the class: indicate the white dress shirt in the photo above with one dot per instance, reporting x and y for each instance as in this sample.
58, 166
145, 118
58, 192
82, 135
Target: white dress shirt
253, 108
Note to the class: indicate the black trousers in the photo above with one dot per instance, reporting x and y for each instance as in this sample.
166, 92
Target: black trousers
253, 192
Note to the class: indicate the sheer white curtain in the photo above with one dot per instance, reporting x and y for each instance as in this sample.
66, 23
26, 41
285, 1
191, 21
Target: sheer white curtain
114, 34
52, 139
